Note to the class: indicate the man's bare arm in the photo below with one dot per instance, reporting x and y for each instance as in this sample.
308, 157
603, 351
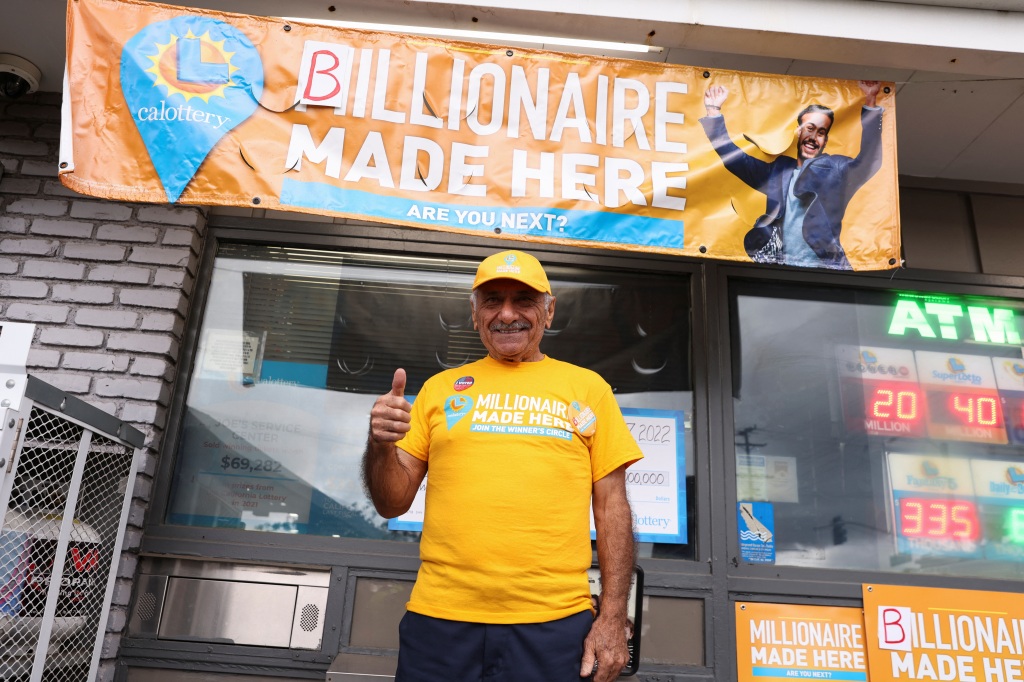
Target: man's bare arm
870, 90
714, 98
391, 475
616, 554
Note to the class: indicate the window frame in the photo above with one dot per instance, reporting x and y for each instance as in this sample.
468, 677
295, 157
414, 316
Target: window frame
716, 576
828, 583
160, 537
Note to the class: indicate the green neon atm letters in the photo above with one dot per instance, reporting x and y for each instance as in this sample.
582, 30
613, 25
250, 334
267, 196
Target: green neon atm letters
988, 325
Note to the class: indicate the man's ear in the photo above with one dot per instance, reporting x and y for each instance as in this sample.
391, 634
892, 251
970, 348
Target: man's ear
551, 313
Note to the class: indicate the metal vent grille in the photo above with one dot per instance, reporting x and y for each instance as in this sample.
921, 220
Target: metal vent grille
146, 607
310, 617
57, 545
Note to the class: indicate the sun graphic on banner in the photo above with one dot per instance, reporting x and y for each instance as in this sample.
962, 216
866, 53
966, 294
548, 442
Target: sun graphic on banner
192, 67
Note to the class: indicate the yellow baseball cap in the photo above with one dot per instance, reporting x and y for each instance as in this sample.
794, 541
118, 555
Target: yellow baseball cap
516, 265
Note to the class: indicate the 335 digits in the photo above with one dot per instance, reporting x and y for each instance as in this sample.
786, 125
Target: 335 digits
938, 519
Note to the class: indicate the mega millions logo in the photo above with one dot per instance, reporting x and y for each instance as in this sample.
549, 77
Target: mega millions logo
188, 81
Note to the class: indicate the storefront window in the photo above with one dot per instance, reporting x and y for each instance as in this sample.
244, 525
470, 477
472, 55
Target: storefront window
296, 344
879, 430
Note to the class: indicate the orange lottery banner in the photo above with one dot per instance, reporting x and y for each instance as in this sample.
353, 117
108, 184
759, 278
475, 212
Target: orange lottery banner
926, 633
169, 104
799, 642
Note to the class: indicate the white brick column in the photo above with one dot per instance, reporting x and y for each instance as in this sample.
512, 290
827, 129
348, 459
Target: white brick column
108, 286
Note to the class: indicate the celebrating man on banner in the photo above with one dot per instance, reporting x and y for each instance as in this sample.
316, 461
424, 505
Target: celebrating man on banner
806, 196
517, 444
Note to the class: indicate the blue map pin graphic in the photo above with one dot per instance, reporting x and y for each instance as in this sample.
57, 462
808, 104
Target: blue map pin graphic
187, 82
455, 408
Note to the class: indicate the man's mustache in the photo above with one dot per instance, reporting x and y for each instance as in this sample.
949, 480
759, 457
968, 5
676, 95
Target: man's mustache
510, 327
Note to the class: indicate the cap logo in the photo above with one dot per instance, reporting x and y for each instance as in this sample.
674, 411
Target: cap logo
513, 265
510, 265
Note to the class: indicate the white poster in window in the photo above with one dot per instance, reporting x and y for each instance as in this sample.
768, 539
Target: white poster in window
232, 352
656, 485
766, 478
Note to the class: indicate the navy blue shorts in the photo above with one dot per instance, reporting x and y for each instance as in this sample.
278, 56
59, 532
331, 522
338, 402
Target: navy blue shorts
436, 650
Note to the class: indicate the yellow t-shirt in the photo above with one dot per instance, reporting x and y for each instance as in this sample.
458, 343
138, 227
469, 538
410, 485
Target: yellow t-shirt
506, 532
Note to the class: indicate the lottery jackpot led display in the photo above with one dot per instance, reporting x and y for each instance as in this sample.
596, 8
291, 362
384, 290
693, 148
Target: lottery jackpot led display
941, 505
903, 416
880, 391
944, 396
957, 506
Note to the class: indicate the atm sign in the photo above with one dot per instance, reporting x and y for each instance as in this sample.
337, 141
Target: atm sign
951, 321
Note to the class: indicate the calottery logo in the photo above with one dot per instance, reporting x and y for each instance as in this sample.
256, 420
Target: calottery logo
1015, 368
462, 383
510, 264
456, 407
1015, 476
187, 82
955, 364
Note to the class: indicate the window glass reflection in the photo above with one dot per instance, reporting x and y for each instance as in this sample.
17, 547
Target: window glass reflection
879, 430
296, 344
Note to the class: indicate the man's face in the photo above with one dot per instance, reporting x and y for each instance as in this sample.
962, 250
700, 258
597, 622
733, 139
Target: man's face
812, 134
511, 318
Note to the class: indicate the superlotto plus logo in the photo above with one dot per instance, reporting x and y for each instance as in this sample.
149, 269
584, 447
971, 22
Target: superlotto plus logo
187, 82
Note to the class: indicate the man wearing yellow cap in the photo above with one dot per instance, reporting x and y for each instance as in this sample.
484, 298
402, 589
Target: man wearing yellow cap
517, 445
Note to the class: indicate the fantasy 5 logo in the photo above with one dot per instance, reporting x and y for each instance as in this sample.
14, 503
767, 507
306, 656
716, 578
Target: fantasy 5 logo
931, 478
187, 82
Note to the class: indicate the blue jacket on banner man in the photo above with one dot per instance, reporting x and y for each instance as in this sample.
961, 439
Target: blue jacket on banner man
807, 196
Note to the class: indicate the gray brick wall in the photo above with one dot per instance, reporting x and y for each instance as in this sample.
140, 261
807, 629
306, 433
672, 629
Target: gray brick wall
108, 285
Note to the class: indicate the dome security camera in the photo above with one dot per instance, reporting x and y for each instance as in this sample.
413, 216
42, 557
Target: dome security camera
17, 76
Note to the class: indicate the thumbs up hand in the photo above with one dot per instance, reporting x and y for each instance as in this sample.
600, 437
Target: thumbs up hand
390, 416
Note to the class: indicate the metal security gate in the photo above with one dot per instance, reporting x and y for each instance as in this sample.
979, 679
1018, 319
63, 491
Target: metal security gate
65, 486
